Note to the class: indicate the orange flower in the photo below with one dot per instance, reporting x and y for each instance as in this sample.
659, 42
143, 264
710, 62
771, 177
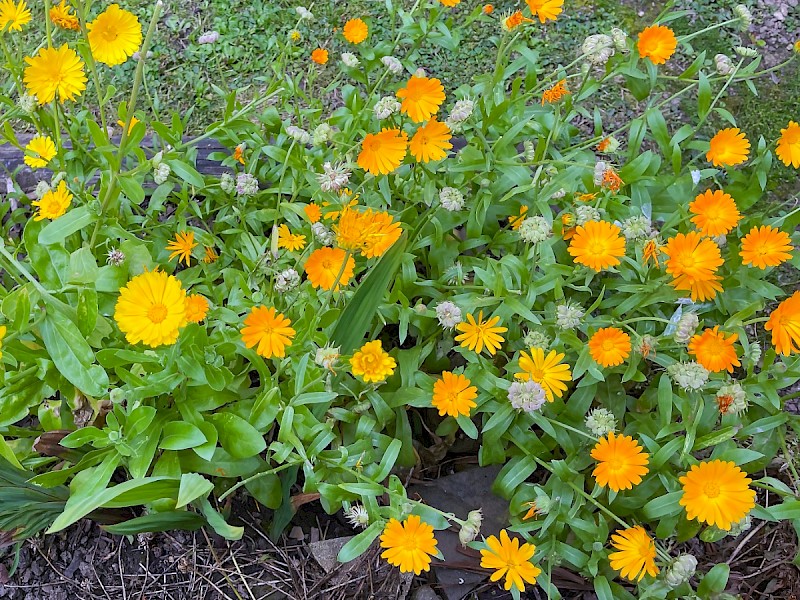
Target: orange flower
196, 308
729, 147
788, 150
320, 56
715, 213
586, 197
784, 323
604, 144
546, 10
514, 20
693, 262
268, 330
610, 346
597, 245
651, 251
611, 180
766, 247
421, 98
657, 43
382, 153
488, 9
516, 220
313, 212
182, 247
355, 31
715, 351
555, 93
621, 462
326, 266
238, 153
431, 141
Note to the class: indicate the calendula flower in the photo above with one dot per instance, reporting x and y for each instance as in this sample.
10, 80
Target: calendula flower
611, 181
421, 98
313, 212
54, 202
788, 150
210, 255
621, 464
766, 246
555, 93
651, 251
548, 371
597, 245
409, 545
516, 220
61, 16
784, 323
132, 124
39, 151
355, 31
610, 346
3, 330
715, 351
238, 154
14, 16
114, 35
608, 145
546, 10
513, 20
372, 363
453, 395
196, 308
151, 309
636, 553
511, 560
431, 141
320, 56
326, 267
449, 3
182, 247
290, 241
658, 43
693, 261
268, 330
488, 9
715, 213
729, 147
717, 492
381, 153
368, 232
55, 72
476, 335
731, 397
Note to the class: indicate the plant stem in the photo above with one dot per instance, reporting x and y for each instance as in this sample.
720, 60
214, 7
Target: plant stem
244, 482
81, 11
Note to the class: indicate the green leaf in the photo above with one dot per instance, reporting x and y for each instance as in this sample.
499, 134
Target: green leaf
388, 460
218, 523
180, 435
57, 230
266, 489
360, 543
237, 436
7, 453
156, 522
192, 487
186, 172
715, 581
663, 506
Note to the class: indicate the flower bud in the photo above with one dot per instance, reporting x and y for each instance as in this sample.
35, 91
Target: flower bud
536, 339
680, 570
685, 328
600, 422
688, 375
746, 52
724, 65
534, 230
744, 15
620, 39
471, 527
227, 183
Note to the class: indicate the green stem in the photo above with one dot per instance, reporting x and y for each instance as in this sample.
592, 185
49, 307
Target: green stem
82, 9
23, 271
573, 429
788, 459
244, 482
769, 488
47, 25
686, 38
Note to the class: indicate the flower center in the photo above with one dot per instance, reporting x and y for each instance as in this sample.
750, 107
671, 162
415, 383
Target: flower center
157, 313
537, 374
598, 248
373, 145
616, 464
711, 489
424, 140
608, 345
109, 35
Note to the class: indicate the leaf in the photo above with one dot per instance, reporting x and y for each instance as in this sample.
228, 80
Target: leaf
218, 523
663, 506
186, 172
388, 460
156, 522
7, 453
179, 435
237, 436
57, 230
360, 543
192, 487
714, 581
266, 489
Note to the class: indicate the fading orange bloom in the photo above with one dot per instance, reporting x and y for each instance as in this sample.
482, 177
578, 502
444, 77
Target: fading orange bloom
603, 145
238, 153
516, 220
586, 197
532, 510
651, 251
514, 20
611, 181
555, 93
724, 403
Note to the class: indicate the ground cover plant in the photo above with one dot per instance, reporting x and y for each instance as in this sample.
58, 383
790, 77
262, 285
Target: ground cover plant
593, 306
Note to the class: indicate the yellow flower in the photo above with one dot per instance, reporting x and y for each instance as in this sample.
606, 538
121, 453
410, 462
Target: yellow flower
326, 266
453, 395
355, 31
370, 233
715, 213
382, 153
39, 151
151, 309
784, 323
449, 3
421, 98
210, 255
597, 245
269, 330
610, 346
476, 335
715, 351
717, 492
555, 93
658, 43
546, 10
511, 560
313, 212
55, 71
431, 141
621, 462
54, 203
319, 56
134, 121
14, 16
182, 247
372, 363
290, 241
196, 308
409, 545
788, 150
114, 35
729, 147
61, 16
693, 262
2, 335
516, 220
766, 246
548, 371
637, 553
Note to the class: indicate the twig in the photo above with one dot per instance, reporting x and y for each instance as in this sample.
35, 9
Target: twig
744, 541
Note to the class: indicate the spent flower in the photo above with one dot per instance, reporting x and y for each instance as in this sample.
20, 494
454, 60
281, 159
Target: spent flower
246, 185
534, 230
448, 314
601, 422
528, 396
451, 199
569, 316
690, 376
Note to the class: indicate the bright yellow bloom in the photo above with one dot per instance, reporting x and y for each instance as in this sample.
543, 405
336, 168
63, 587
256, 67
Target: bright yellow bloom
729, 147
319, 56
182, 247
313, 212
151, 309
477, 335
597, 245
546, 10
370, 233
610, 346
555, 93
14, 16
717, 492
196, 308
211, 255
61, 16
453, 395
715, 351
355, 31
325, 267
269, 330
372, 363
516, 220
548, 371
449, 3
514, 20
715, 213
784, 323
511, 560
39, 151
621, 464
2, 335
788, 150
766, 246
693, 261
54, 203
290, 241
409, 545
431, 141
382, 153
658, 43
134, 121
55, 71
636, 553
114, 35
421, 98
